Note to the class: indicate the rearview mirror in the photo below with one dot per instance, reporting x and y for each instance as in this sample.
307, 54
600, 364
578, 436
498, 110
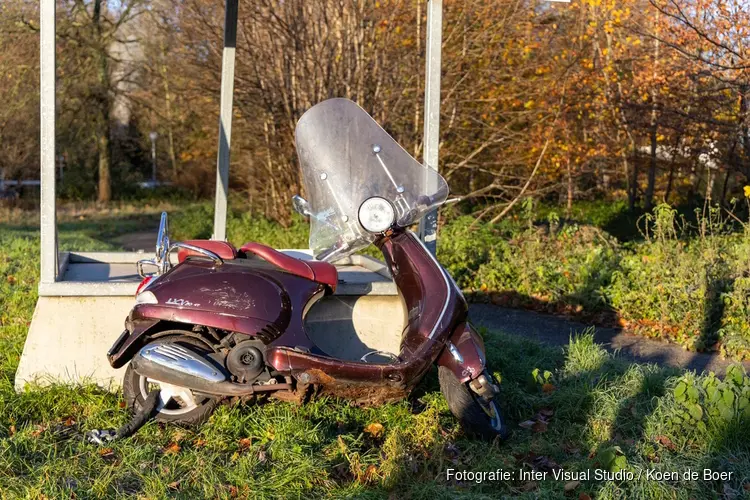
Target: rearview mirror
301, 206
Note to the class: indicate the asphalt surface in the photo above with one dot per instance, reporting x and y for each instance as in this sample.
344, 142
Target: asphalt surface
556, 331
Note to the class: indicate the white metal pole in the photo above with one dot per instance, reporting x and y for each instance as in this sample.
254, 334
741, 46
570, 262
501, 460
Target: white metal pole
47, 126
433, 45
225, 119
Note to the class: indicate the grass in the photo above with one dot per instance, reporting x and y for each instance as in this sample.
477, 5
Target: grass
595, 411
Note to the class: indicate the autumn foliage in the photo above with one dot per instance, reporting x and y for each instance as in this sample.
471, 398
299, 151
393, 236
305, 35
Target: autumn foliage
639, 99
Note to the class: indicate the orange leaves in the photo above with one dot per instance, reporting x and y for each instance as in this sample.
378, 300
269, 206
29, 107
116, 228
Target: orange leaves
374, 429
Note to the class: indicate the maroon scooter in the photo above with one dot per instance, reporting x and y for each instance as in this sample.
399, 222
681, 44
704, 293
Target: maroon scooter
226, 322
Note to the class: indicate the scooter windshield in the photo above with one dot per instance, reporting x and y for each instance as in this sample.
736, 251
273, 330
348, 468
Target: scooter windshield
346, 158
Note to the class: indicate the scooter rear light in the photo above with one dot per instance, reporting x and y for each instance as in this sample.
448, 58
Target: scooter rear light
144, 284
146, 298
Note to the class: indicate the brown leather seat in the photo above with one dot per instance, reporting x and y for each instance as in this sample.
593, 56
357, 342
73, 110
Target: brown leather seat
221, 248
321, 272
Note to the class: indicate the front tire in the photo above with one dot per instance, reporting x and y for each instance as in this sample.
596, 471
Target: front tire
192, 409
478, 417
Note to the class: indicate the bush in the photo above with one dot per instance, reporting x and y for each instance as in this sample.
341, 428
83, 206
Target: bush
710, 407
670, 288
196, 221
569, 265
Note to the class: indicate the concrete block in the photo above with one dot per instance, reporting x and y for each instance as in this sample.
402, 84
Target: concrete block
68, 341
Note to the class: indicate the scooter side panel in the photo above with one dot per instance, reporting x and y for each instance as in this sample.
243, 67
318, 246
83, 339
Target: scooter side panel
195, 292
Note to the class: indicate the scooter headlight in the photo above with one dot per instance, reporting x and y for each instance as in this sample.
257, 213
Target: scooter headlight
376, 214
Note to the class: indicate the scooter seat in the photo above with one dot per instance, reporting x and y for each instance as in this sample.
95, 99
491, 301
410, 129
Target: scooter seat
221, 248
320, 272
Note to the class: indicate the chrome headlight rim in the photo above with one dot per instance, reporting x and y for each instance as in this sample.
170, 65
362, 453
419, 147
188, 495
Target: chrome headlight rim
368, 204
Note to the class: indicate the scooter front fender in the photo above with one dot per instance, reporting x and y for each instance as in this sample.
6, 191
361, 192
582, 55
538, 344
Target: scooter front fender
464, 353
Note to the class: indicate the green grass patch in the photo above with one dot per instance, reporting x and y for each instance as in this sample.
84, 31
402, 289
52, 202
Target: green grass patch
583, 410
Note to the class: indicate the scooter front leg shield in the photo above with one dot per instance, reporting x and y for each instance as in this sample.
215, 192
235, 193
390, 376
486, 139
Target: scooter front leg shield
464, 353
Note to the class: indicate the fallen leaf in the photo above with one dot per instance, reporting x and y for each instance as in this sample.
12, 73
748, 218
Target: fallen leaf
69, 421
108, 455
121, 404
262, 456
570, 486
174, 485
548, 388
12, 430
200, 443
374, 429
530, 486
233, 491
543, 463
546, 412
583, 496
527, 424
451, 451
539, 426
172, 449
245, 443
666, 442
38, 431
370, 473
11, 279
270, 434
342, 445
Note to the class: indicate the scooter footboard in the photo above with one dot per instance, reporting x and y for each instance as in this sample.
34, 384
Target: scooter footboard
464, 353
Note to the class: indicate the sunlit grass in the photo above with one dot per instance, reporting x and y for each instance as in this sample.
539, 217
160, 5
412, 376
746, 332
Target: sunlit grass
599, 406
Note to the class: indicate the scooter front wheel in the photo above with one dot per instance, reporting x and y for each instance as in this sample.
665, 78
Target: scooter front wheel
176, 404
479, 417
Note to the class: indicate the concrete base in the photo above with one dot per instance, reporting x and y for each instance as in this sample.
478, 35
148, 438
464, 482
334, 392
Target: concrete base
68, 341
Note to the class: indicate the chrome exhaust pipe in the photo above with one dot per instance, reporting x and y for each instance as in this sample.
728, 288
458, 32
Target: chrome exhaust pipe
177, 365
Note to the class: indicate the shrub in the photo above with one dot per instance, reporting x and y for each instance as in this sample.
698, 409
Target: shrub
570, 265
710, 406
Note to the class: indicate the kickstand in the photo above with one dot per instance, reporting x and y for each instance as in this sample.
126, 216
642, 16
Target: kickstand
148, 410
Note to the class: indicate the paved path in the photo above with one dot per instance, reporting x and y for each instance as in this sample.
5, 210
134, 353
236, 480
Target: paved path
554, 330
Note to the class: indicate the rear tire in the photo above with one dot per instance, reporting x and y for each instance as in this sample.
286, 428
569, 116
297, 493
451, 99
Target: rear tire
478, 418
135, 389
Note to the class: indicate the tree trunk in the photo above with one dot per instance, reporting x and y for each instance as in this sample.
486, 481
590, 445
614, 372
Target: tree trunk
168, 108
569, 204
633, 193
103, 100
649, 196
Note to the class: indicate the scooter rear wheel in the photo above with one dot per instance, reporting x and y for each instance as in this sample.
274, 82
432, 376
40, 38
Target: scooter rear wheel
177, 404
478, 417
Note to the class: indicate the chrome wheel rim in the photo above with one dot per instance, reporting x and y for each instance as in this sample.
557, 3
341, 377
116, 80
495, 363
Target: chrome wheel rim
173, 399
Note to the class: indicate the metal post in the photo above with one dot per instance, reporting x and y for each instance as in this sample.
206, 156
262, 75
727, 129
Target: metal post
47, 126
225, 120
433, 44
